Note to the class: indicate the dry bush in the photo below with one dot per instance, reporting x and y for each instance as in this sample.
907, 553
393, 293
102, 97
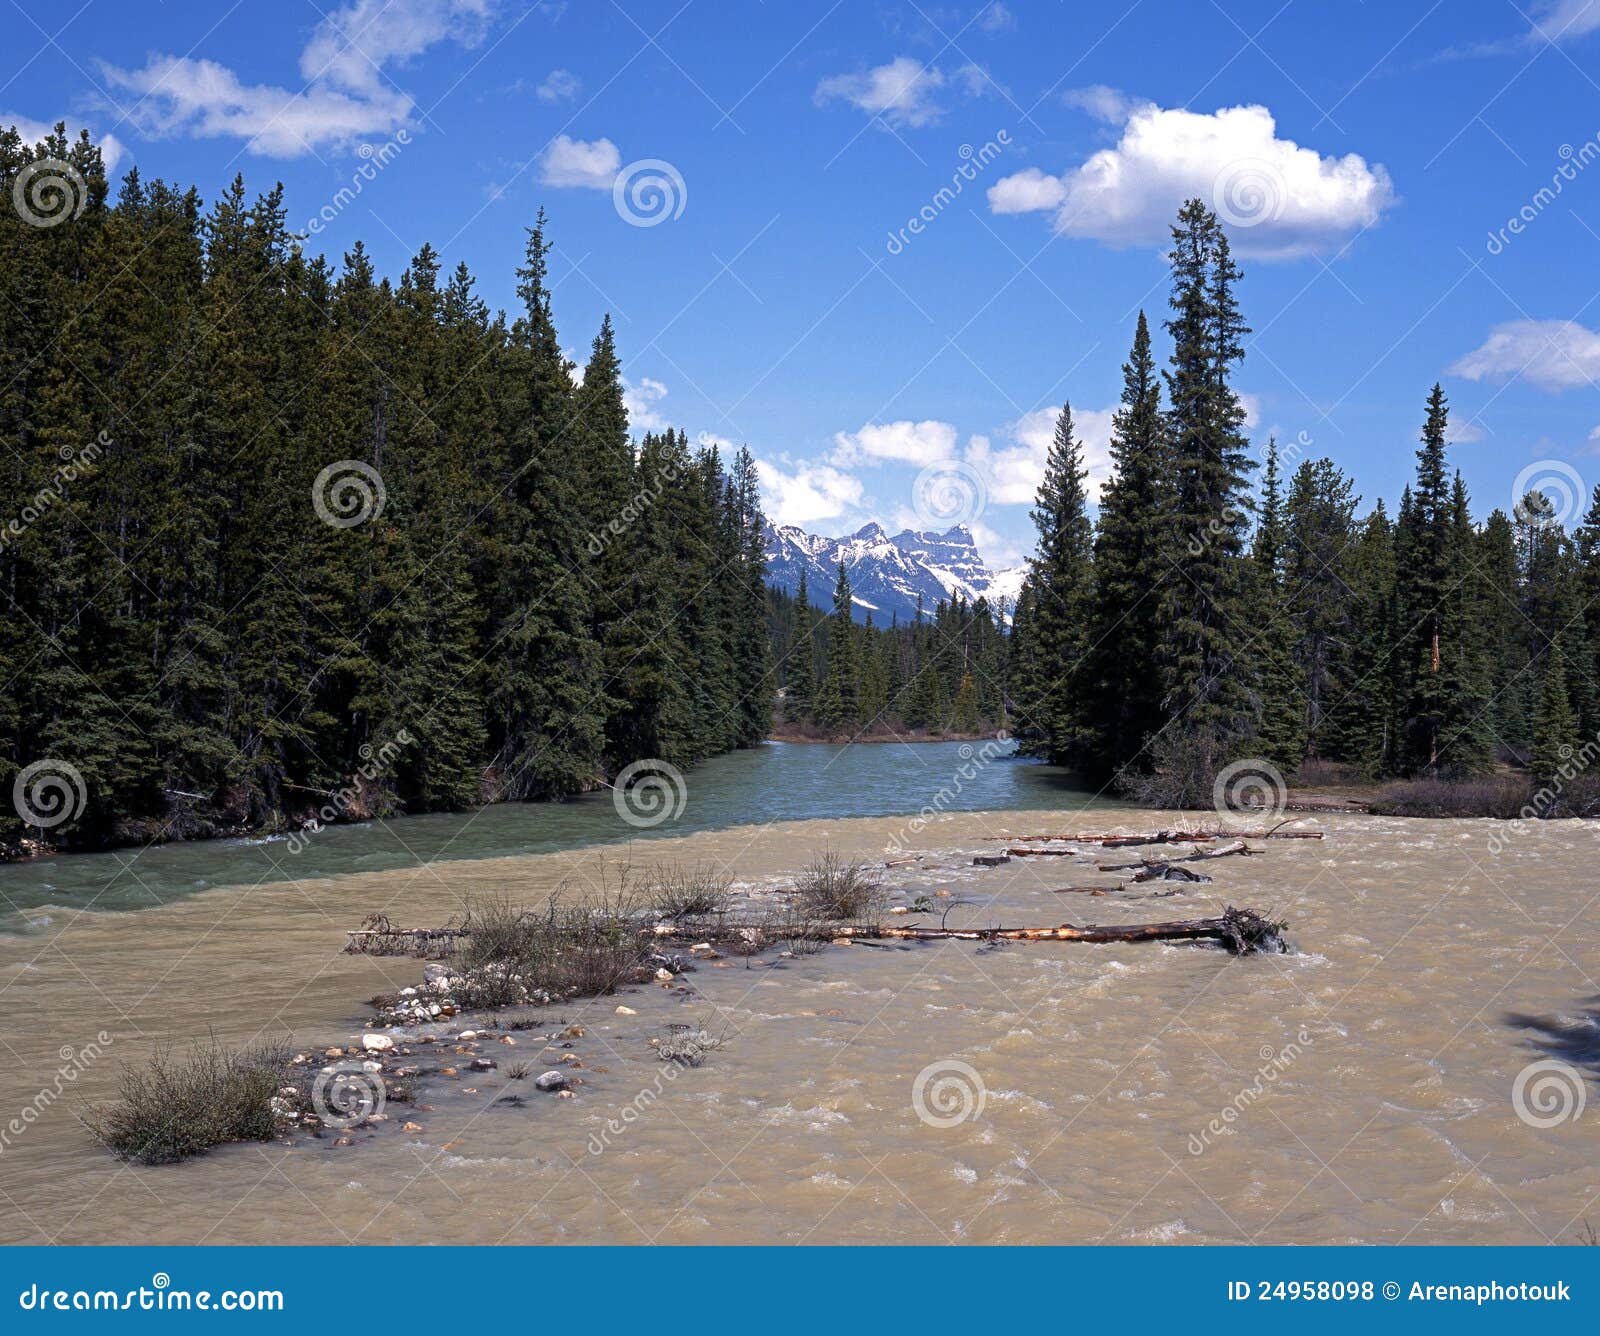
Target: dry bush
555, 951
173, 1108
838, 888
1504, 798
680, 892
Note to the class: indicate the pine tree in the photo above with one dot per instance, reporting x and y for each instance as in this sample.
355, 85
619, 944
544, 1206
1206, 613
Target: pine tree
1282, 721
799, 665
1555, 730
839, 697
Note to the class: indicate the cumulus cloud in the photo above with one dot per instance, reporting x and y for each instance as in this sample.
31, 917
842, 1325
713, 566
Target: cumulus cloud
997, 18
589, 164
1278, 200
642, 400
1103, 103
558, 86
1014, 468
345, 94
807, 493
112, 149
919, 443
1555, 355
904, 92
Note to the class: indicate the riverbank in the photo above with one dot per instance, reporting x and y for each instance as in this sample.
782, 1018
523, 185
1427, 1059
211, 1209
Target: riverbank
1427, 980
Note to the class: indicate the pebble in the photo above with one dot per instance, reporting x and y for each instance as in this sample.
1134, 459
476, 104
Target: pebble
483, 1064
664, 976
334, 1053
374, 1043
626, 1011
551, 1081
508, 1041
342, 1141
412, 1127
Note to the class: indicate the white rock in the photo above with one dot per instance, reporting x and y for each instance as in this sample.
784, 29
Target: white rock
626, 1011
376, 1043
663, 975
551, 1081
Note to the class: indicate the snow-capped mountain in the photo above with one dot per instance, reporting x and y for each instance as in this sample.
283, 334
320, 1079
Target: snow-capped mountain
888, 573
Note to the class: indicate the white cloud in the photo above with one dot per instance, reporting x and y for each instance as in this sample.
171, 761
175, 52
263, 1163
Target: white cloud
1563, 20
1103, 103
1277, 199
997, 18
590, 164
902, 92
345, 96
918, 443
1014, 470
1555, 355
1464, 433
808, 493
641, 401
112, 149
558, 86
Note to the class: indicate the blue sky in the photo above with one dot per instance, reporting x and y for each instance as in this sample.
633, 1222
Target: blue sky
767, 280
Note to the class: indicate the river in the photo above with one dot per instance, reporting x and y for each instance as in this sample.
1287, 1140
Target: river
1364, 1089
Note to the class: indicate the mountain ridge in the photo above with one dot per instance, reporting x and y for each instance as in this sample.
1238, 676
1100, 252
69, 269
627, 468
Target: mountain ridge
888, 571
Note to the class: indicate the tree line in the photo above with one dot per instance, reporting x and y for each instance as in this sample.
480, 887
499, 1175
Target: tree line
277, 517
1199, 621
944, 673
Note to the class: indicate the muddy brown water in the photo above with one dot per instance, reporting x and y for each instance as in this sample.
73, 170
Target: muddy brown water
1358, 1091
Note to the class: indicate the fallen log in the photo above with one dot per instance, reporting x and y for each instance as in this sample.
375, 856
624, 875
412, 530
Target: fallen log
1223, 851
1167, 837
1242, 931
990, 860
1168, 872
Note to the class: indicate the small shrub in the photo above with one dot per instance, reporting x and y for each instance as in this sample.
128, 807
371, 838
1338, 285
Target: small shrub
173, 1108
514, 956
689, 1047
517, 1071
679, 892
1504, 798
838, 888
